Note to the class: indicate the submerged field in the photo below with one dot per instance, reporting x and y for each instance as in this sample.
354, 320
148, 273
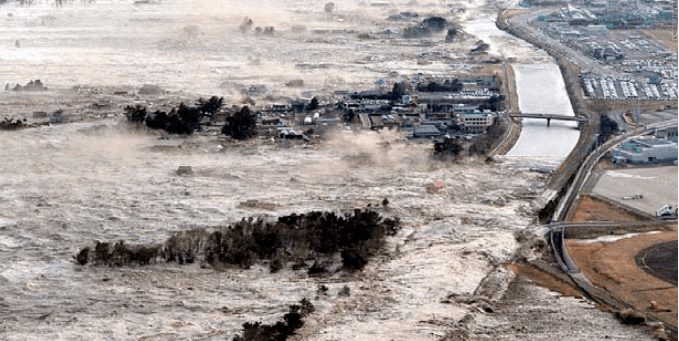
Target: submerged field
87, 182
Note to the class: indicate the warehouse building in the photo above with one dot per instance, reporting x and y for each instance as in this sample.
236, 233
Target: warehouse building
646, 150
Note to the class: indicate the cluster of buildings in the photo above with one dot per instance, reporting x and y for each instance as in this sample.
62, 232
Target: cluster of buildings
614, 13
419, 114
608, 52
466, 123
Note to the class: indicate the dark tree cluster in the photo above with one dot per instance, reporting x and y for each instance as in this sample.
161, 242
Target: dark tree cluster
210, 106
241, 125
399, 89
313, 104
315, 235
10, 124
607, 127
447, 86
181, 120
435, 23
119, 254
291, 239
448, 149
279, 331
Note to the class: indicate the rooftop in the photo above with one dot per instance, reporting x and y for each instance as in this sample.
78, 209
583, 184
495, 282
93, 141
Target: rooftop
426, 129
652, 142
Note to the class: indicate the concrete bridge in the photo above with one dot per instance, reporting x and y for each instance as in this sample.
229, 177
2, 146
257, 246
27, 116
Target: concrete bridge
550, 117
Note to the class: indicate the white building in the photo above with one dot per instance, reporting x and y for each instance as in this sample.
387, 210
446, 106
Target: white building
477, 122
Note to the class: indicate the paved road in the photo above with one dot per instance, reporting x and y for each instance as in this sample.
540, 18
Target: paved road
660, 260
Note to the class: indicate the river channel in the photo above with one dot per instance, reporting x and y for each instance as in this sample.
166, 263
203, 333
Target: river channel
540, 89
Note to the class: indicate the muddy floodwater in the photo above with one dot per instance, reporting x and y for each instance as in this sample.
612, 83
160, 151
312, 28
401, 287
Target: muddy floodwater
66, 186
69, 185
501, 42
85, 182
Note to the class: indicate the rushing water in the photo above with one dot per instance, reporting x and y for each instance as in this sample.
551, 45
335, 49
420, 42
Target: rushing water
502, 42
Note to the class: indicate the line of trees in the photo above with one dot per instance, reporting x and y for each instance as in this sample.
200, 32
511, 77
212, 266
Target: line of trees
181, 120
447, 86
185, 119
292, 239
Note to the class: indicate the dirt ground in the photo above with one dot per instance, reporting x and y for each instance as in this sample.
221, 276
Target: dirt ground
589, 208
666, 37
545, 279
612, 266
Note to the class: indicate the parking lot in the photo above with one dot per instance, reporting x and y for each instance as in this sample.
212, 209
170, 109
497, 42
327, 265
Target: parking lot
606, 87
657, 186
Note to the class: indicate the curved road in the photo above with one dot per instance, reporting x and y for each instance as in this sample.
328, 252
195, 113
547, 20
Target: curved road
558, 222
591, 160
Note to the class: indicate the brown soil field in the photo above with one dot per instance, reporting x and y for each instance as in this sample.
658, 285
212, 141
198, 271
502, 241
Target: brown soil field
612, 266
589, 208
544, 279
666, 37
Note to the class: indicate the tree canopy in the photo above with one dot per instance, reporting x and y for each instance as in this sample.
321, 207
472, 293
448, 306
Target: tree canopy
240, 125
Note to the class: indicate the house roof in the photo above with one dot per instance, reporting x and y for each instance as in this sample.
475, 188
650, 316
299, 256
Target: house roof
425, 130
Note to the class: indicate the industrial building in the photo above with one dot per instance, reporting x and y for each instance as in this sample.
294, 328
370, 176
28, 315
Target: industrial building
645, 150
